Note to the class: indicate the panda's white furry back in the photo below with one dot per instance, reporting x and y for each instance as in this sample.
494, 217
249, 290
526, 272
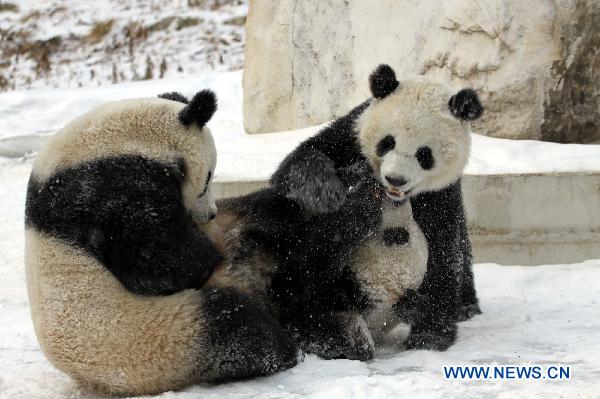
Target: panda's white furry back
115, 266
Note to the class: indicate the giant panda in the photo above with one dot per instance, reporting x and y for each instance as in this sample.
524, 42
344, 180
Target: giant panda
298, 263
415, 134
117, 270
331, 278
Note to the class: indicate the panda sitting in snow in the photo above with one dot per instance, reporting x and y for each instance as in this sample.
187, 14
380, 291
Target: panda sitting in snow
116, 269
415, 134
335, 258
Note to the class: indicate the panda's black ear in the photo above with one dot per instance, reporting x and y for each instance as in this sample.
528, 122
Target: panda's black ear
383, 81
200, 109
174, 96
465, 105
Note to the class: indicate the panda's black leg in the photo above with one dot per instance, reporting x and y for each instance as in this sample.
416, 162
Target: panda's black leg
430, 332
240, 339
334, 335
434, 327
426, 337
469, 302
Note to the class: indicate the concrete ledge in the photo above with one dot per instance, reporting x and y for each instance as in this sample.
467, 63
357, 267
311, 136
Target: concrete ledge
533, 219
519, 219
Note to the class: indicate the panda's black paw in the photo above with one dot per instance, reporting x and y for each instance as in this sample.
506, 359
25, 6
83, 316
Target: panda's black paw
362, 212
339, 336
411, 306
468, 311
429, 341
355, 173
312, 181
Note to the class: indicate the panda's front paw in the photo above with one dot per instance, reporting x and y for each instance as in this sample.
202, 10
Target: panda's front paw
429, 341
355, 173
362, 212
468, 311
319, 191
342, 335
311, 180
358, 337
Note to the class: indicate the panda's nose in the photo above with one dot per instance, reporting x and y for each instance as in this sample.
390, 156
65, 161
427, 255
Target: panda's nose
396, 181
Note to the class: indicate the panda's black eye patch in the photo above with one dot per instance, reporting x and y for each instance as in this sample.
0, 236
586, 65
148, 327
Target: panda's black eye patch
385, 145
206, 184
425, 157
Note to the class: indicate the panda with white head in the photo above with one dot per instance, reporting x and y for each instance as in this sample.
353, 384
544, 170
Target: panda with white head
415, 135
116, 268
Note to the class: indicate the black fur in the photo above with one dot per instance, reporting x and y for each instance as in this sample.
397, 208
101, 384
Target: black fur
313, 253
174, 96
243, 340
127, 212
465, 105
200, 109
334, 335
448, 285
448, 289
383, 81
385, 145
425, 157
395, 236
309, 174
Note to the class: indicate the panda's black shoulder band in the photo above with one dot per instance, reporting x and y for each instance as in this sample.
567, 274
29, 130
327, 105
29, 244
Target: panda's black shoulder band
465, 105
395, 236
383, 81
200, 108
174, 96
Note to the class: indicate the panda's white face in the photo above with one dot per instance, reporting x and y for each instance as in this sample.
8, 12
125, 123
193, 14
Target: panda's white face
412, 140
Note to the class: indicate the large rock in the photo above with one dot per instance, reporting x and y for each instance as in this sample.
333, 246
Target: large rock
534, 62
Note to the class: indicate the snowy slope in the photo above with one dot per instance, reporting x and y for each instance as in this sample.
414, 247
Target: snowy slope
532, 315
25, 115
74, 43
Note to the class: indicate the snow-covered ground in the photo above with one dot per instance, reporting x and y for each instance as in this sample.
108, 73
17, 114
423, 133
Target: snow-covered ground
74, 43
532, 315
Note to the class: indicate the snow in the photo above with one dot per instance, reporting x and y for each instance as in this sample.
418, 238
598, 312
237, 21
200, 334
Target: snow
27, 117
492, 156
532, 315
75, 43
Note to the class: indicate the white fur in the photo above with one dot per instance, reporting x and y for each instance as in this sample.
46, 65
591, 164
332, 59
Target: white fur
71, 296
386, 272
147, 127
416, 114
87, 323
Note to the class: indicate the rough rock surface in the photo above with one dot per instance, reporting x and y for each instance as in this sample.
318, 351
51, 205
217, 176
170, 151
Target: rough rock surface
535, 65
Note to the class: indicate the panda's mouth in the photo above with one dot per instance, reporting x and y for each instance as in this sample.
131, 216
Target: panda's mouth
396, 195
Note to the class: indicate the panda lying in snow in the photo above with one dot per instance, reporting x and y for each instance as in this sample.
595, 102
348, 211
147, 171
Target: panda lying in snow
115, 266
303, 244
